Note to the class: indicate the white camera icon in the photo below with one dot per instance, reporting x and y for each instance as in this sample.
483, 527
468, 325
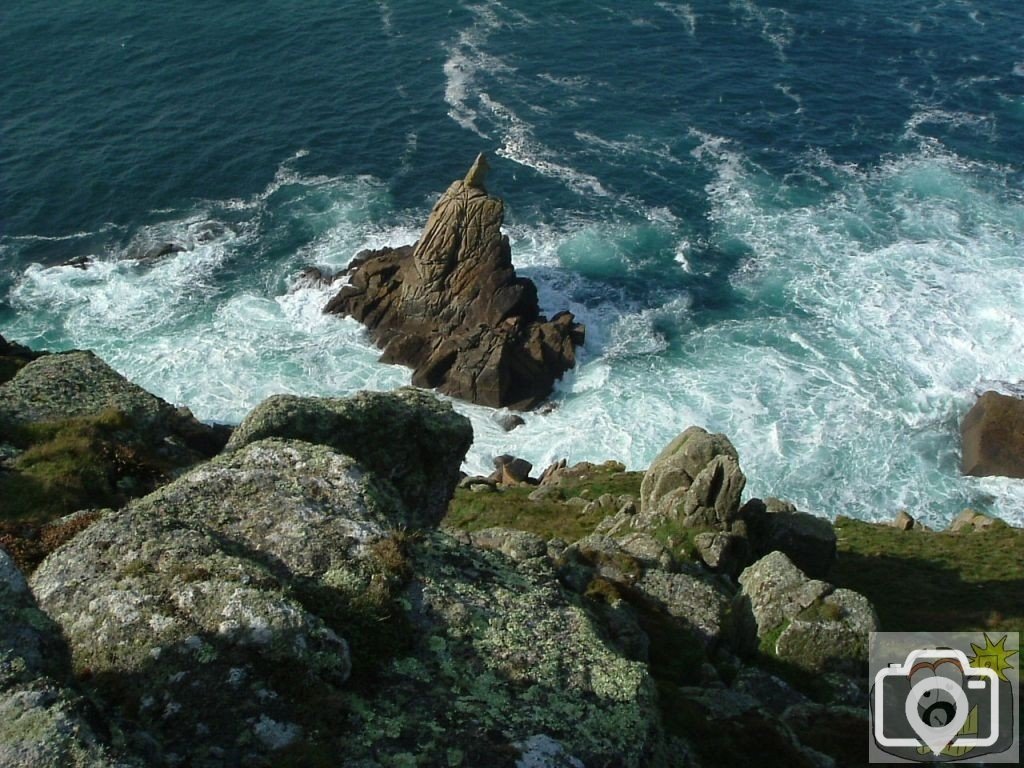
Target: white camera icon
936, 707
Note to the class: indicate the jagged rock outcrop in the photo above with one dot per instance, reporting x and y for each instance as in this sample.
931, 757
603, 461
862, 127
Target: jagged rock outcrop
992, 433
452, 308
696, 480
283, 604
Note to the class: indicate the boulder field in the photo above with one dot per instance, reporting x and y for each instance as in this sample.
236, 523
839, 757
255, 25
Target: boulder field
307, 597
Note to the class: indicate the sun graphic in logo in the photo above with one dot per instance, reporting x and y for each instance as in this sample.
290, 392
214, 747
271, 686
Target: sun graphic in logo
992, 656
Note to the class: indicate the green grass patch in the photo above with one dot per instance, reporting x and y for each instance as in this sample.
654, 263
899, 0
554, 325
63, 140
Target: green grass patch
510, 508
938, 581
72, 464
551, 517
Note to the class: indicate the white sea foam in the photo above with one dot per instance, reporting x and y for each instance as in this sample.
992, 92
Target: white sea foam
775, 24
864, 325
902, 281
683, 12
468, 63
520, 146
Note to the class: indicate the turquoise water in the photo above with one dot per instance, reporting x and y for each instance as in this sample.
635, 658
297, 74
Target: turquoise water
801, 227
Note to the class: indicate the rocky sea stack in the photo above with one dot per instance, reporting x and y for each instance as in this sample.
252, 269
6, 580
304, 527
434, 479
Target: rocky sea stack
452, 308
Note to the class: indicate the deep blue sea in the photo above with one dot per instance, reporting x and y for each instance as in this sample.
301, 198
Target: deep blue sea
798, 223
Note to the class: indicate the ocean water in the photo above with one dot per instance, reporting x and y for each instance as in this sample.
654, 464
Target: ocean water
798, 225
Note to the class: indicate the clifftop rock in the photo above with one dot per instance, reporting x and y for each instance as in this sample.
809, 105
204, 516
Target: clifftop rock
993, 437
452, 308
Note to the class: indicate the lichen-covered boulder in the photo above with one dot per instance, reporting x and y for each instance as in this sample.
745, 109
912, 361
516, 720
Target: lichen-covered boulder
80, 384
43, 721
181, 607
806, 622
502, 655
695, 480
408, 437
699, 603
776, 590
831, 635
273, 607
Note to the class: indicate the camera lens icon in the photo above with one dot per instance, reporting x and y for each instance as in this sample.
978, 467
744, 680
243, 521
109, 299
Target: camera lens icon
936, 706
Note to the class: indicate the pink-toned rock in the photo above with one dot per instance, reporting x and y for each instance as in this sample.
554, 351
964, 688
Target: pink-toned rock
993, 437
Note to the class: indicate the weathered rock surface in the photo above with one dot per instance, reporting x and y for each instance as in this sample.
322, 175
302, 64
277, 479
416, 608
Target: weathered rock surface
695, 480
806, 622
452, 308
992, 433
281, 604
79, 384
408, 437
970, 520
43, 721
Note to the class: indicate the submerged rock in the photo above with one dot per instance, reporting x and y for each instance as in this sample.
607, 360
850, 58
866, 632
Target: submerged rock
993, 437
452, 308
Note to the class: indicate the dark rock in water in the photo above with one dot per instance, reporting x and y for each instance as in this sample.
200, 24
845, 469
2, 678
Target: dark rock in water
993, 437
508, 421
160, 250
452, 308
78, 262
313, 277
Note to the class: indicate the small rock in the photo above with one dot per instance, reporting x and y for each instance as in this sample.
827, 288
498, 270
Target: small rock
969, 520
552, 474
903, 521
508, 420
516, 545
544, 493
